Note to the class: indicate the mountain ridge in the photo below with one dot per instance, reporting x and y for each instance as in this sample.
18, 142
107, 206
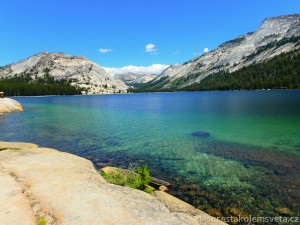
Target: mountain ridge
78, 70
274, 36
134, 78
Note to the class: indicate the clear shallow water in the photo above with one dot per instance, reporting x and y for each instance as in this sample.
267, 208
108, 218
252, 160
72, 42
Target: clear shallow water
250, 161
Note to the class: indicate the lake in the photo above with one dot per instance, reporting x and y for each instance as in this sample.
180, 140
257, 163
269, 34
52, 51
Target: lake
228, 153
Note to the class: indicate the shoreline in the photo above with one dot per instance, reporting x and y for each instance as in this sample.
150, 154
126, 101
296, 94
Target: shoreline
63, 188
158, 92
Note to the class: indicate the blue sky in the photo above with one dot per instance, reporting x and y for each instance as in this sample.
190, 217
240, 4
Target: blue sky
118, 33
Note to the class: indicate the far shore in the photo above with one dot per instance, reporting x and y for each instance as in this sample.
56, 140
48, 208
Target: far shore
152, 92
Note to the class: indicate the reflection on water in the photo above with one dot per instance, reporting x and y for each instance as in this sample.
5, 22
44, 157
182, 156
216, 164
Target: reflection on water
228, 153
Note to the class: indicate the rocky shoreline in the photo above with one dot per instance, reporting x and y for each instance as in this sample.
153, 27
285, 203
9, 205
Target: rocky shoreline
43, 184
8, 105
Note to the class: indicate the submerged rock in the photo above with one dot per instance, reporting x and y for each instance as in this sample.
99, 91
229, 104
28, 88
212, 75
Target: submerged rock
202, 134
237, 212
283, 211
214, 212
8, 105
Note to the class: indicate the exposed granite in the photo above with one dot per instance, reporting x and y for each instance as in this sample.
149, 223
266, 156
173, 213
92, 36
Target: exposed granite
79, 70
9, 105
235, 54
67, 189
134, 78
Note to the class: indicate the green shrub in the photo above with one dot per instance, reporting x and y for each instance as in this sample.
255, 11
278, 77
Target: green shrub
130, 178
149, 189
124, 178
144, 172
41, 221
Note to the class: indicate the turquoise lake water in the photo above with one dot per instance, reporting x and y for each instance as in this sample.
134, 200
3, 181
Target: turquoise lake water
247, 158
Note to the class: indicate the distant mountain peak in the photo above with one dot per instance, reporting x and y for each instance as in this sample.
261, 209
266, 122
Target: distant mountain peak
79, 70
274, 36
135, 78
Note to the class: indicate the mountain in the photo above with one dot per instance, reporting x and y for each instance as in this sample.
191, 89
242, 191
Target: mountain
275, 36
280, 72
78, 71
134, 78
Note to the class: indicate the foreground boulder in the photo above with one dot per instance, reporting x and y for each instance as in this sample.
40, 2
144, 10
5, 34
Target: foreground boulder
42, 184
9, 105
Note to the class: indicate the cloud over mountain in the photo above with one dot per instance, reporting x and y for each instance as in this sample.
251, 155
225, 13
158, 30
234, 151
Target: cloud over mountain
153, 69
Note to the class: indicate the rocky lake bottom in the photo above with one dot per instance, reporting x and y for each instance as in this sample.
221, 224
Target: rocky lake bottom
266, 186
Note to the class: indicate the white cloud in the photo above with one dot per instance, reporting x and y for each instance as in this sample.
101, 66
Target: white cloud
176, 52
153, 69
150, 48
105, 50
205, 50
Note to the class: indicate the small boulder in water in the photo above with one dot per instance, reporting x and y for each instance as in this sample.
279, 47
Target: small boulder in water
163, 188
8, 105
201, 134
283, 211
